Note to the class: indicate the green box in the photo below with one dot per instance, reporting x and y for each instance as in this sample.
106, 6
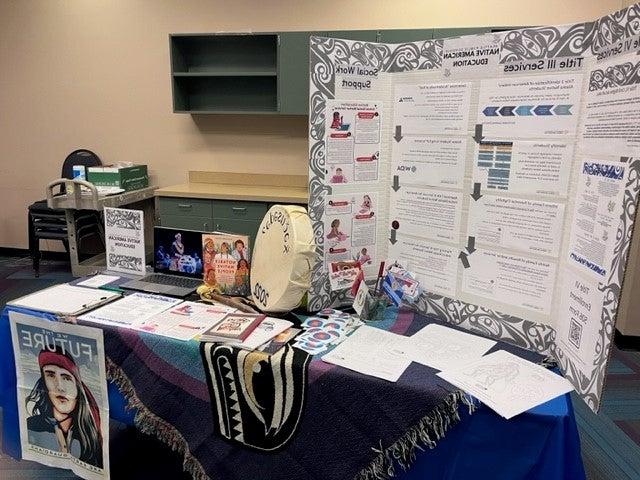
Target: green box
127, 178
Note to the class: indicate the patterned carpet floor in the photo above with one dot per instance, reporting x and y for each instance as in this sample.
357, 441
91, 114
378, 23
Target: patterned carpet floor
610, 440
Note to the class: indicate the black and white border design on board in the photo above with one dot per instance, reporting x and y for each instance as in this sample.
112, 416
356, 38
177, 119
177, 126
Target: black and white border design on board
325, 53
619, 75
590, 387
127, 262
122, 218
570, 40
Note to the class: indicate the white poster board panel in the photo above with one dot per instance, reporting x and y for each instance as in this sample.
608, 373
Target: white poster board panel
523, 125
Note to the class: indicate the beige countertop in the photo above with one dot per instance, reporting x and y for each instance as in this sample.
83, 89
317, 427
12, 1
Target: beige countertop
257, 193
240, 186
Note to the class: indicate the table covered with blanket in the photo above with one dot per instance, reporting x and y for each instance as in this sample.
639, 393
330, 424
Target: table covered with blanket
234, 414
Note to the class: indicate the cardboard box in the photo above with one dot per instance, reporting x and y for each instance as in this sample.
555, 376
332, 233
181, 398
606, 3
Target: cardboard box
127, 178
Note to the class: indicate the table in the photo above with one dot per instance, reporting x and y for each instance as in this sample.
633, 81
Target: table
74, 199
541, 443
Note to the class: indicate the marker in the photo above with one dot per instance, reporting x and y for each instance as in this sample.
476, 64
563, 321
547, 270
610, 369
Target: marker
113, 289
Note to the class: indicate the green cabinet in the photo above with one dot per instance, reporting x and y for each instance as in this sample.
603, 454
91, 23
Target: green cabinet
202, 224
208, 215
362, 35
185, 207
458, 32
224, 73
263, 73
293, 72
402, 36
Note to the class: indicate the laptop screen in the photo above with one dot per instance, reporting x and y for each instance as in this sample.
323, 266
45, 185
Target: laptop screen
177, 251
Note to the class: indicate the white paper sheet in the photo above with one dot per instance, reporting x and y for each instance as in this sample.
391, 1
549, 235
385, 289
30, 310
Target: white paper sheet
530, 226
97, 281
524, 167
612, 110
373, 352
124, 238
544, 106
507, 384
63, 299
350, 229
594, 227
444, 348
436, 108
186, 320
269, 327
426, 212
510, 279
353, 141
433, 161
434, 266
131, 311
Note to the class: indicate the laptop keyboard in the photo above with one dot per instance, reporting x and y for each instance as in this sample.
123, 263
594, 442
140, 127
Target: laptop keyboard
172, 280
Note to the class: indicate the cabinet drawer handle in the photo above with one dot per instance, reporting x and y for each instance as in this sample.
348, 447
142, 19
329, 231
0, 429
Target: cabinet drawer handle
184, 205
239, 209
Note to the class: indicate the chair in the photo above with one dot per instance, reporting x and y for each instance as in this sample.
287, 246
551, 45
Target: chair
51, 223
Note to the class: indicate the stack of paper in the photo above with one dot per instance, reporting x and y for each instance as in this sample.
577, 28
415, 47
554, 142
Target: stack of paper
65, 299
506, 383
186, 320
130, 311
372, 351
444, 348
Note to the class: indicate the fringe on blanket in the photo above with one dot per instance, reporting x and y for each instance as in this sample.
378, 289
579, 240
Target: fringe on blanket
151, 424
426, 433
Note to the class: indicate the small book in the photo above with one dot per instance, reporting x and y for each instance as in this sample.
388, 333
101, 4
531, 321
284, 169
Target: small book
234, 328
226, 262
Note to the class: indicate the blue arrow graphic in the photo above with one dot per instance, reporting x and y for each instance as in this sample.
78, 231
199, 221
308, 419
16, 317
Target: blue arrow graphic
543, 110
562, 109
507, 111
524, 110
490, 112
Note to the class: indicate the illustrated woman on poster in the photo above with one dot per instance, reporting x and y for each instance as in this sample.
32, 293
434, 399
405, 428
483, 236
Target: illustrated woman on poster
363, 257
224, 254
336, 123
366, 204
335, 232
338, 177
240, 251
64, 413
242, 272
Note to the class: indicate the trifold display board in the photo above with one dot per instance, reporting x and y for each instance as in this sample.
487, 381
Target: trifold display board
502, 169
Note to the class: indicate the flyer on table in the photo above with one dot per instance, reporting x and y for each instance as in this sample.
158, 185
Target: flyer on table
63, 406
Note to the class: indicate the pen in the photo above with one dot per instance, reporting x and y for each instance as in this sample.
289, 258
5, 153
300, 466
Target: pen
380, 272
112, 289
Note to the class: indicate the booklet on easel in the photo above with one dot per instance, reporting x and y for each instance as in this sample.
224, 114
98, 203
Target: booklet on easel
226, 261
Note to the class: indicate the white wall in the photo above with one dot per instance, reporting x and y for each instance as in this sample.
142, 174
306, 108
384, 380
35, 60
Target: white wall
95, 74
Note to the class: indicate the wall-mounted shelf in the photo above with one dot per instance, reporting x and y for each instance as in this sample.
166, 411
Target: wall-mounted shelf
224, 73
262, 73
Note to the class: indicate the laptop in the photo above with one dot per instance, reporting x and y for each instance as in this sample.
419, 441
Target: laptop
177, 263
